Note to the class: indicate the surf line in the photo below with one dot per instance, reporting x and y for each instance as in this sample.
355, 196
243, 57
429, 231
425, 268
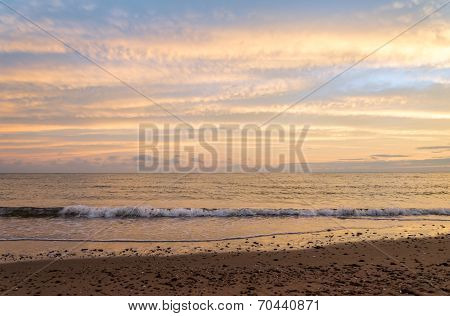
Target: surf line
396, 218
179, 241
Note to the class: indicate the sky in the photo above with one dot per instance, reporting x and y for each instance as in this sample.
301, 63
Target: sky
224, 62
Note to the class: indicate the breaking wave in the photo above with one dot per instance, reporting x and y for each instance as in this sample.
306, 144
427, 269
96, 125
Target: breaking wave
151, 212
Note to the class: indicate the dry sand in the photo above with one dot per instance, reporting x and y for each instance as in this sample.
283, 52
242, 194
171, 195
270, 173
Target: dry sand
409, 266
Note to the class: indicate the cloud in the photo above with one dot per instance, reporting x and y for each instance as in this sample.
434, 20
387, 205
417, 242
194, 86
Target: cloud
433, 147
228, 64
129, 165
413, 165
376, 156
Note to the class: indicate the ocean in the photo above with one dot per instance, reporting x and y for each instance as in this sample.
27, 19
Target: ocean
202, 207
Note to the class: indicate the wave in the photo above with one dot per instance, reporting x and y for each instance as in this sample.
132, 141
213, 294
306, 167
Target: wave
151, 212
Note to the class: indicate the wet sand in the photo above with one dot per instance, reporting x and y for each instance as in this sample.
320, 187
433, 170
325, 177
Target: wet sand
407, 266
268, 234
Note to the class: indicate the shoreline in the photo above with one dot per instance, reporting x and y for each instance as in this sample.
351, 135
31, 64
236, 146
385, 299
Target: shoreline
131, 237
380, 267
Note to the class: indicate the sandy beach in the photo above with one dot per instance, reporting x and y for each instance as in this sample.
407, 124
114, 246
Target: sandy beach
407, 266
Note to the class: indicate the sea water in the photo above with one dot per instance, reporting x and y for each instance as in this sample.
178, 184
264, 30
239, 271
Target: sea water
202, 207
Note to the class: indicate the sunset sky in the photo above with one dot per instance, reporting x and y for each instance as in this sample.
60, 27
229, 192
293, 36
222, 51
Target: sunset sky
224, 62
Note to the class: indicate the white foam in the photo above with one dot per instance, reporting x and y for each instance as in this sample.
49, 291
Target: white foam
149, 212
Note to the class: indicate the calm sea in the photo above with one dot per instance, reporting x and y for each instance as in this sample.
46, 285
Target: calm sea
196, 206
302, 191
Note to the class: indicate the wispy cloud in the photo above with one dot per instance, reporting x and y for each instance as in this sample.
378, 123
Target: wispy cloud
433, 147
222, 63
388, 156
